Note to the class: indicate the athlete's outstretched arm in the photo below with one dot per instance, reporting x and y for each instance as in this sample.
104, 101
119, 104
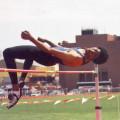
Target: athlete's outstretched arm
27, 36
51, 50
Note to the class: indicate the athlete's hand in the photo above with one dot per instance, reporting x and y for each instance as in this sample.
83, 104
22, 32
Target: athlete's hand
26, 35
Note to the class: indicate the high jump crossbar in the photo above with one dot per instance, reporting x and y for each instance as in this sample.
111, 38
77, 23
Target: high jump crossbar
39, 71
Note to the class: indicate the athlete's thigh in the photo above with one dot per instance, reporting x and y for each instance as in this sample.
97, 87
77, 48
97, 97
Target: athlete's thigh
22, 52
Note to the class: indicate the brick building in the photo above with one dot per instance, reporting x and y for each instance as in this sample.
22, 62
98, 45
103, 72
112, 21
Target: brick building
107, 71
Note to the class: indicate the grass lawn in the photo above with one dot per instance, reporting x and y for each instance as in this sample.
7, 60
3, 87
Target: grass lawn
65, 110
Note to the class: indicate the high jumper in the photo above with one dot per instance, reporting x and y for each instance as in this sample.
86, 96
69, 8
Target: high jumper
46, 54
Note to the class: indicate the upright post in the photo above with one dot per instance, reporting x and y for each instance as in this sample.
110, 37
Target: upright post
97, 107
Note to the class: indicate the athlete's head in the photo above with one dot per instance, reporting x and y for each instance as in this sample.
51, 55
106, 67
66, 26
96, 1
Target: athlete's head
102, 57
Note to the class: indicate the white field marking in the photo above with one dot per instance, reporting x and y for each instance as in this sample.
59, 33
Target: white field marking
47, 101
4, 103
84, 100
110, 98
36, 102
57, 102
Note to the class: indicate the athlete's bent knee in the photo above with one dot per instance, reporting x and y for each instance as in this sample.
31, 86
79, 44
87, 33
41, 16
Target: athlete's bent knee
7, 52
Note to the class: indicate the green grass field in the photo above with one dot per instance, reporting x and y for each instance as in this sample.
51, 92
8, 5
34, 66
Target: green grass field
74, 110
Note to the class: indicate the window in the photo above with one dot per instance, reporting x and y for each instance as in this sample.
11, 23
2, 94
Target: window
103, 76
89, 77
81, 77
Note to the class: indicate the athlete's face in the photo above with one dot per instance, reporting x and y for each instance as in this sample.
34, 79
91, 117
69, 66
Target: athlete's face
93, 52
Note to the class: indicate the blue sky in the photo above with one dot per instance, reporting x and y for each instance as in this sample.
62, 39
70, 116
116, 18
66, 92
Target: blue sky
56, 20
